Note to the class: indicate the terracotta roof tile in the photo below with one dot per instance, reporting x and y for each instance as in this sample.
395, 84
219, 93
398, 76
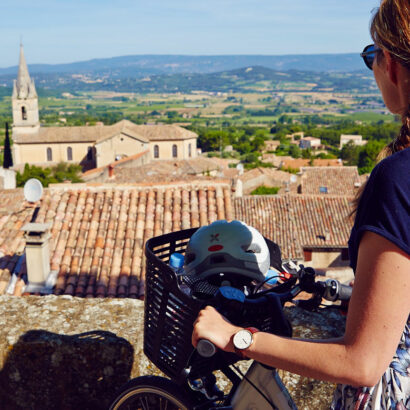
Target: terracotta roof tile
99, 133
300, 162
163, 170
98, 233
297, 221
331, 180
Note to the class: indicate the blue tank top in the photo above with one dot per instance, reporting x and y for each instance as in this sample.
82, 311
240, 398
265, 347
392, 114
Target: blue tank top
384, 209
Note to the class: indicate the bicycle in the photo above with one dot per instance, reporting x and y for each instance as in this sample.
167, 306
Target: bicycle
169, 316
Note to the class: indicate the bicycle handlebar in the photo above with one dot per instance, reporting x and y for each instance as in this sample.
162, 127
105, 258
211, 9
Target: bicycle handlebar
330, 289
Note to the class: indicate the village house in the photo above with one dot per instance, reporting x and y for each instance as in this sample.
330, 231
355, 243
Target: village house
271, 145
89, 146
309, 143
356, 139
295, 136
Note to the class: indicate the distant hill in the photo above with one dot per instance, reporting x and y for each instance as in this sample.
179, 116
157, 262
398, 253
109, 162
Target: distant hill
245, 79
142, 65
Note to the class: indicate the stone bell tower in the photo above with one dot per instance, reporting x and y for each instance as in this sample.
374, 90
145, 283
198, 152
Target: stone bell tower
24, 101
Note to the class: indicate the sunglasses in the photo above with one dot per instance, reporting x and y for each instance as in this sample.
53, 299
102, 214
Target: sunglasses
369, 54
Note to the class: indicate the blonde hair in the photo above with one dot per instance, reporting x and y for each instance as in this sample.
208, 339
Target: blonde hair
390, 30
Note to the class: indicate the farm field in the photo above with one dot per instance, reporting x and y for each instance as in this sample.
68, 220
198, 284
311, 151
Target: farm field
203, 108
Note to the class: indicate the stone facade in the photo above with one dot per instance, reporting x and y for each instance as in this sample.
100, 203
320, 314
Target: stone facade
119, 146
173, 149
46, 154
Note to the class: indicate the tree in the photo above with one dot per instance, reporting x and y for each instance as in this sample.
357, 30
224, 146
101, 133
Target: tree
60, 173
8, 159
295, 151
368, 156
250, 157
264, 190
306, 153
350, 153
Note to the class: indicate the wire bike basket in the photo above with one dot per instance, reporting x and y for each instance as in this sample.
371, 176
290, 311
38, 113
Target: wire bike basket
170, 313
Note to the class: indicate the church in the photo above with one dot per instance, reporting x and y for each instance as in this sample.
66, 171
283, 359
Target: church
90, 146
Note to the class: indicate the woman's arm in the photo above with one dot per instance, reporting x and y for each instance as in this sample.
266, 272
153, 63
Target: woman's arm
378, 311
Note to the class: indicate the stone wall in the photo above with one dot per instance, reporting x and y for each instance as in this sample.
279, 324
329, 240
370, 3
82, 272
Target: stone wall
60, 352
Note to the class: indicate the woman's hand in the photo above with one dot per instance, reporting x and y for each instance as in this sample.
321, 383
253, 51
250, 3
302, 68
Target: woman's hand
212, 326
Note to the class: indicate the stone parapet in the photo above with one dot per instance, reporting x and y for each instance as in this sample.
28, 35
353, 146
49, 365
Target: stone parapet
61, 352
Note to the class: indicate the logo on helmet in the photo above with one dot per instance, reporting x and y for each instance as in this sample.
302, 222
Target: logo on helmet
214, 237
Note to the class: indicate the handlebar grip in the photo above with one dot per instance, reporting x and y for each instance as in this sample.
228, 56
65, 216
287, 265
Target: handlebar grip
205, 348
345, 292
336, 291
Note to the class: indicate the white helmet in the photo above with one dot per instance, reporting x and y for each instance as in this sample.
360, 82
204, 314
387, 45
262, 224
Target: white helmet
227, 247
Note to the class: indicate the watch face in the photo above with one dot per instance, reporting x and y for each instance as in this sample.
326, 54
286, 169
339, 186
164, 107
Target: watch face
242, 339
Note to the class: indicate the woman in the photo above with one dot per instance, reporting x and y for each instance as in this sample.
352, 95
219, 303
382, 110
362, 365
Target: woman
379, 248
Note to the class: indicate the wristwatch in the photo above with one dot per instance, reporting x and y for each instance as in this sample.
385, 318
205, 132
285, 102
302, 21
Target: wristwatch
242, 339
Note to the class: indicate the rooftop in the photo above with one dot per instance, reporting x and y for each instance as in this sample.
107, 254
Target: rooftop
163, 170
330, 180
98, 231
98, 133
300, 162
295, 221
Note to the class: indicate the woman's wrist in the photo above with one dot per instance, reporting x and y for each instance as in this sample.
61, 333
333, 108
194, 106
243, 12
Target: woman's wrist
230, 347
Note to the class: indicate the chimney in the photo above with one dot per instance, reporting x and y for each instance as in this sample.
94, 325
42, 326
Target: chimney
110, 171
238, 189
37, 256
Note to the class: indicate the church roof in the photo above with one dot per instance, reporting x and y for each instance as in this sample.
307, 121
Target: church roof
99, 133
63, 134
167, 132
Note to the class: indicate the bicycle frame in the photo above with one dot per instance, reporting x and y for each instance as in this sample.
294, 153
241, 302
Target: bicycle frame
269, 383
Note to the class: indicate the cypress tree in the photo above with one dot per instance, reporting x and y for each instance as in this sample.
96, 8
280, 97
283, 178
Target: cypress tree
8, 159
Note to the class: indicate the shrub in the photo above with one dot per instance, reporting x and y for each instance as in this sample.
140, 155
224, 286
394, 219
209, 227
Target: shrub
265, 190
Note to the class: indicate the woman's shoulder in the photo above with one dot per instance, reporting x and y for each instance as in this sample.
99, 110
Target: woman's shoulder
395, 163
393, 170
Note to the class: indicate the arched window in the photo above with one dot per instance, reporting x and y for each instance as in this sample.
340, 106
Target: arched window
49, 154
156, 151
23, 113
174, 151
90, 154
69, 154
189, 150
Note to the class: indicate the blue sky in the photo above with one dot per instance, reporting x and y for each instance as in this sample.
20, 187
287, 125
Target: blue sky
60, 31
